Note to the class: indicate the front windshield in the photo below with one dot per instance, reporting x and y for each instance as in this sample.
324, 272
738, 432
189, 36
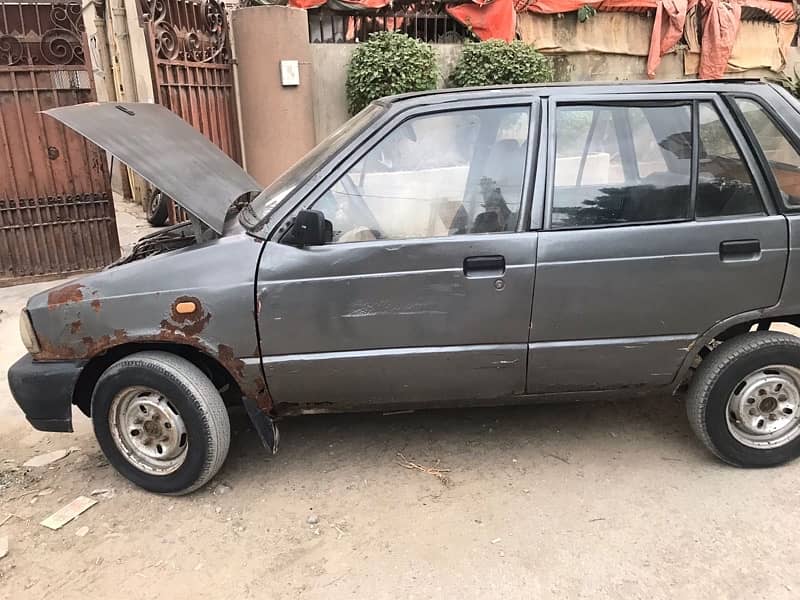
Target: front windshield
260, 209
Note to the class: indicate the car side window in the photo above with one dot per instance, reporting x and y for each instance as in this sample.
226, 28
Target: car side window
724, 183
435, 175
783, 159
619, 165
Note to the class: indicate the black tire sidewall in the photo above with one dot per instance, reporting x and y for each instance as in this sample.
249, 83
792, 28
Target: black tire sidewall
716, 417
157, 209
120, 376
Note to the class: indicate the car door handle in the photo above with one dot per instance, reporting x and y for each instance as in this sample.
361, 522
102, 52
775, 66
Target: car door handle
737, 250
484, 266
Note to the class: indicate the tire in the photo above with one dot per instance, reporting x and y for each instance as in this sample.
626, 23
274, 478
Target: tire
157, 208
731, 406
169, 401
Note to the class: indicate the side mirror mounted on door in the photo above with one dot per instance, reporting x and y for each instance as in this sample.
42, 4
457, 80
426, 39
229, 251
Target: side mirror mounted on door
310, 228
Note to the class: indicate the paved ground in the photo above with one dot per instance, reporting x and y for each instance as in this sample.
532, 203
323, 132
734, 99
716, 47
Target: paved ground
611, 500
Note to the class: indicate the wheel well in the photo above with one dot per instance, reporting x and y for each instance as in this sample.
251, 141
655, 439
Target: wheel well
758, 324
91, 372
738, 329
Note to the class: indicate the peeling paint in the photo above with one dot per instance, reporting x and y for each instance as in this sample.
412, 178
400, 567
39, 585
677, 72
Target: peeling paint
252, 388
65, 294
185, 324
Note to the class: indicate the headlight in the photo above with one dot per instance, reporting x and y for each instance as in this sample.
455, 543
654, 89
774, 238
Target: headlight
27, 333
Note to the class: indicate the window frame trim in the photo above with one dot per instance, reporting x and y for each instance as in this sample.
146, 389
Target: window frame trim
775, 195
640, 99
353, 154
745, 152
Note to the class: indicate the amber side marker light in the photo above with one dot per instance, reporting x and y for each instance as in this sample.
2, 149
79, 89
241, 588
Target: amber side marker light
184, 308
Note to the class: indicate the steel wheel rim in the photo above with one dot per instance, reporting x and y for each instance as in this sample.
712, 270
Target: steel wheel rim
148, 430
763, 411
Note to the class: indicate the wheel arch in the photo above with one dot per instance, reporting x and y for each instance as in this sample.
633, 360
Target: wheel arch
724, 331
220, 376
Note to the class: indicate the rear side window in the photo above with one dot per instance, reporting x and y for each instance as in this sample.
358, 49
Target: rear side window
621, 164
783, 159
724, 183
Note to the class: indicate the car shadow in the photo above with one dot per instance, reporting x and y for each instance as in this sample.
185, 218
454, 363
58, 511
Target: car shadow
572, 433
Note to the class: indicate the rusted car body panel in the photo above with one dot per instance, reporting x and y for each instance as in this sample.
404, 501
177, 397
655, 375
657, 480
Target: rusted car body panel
130, 304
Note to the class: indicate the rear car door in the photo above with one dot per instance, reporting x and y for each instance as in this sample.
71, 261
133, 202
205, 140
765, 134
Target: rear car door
656, 227
424, 295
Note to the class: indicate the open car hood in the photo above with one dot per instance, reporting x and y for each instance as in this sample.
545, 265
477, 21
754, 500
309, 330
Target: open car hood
166, 151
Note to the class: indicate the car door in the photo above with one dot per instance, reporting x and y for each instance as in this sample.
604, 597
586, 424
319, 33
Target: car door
424, 294
656, 228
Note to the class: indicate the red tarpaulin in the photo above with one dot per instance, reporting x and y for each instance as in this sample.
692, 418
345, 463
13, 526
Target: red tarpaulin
496, 19
720, 25
492, 20
667, 31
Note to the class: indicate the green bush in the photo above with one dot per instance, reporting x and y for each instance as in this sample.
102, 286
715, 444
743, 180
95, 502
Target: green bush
496, 62
388, 63
790, 82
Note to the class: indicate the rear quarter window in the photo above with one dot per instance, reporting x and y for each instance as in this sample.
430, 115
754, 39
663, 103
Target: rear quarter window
782, 157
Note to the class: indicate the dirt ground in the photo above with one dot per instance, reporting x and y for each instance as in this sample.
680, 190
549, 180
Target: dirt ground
609, 500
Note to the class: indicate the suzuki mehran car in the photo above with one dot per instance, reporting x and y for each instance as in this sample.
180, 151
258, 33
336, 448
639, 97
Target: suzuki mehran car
452, 248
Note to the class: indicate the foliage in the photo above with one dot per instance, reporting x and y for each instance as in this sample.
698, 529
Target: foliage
791, 83
389, 63
496, 62
586, 12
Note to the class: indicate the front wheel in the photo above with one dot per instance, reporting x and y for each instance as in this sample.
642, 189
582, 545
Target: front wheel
160, 422
744, 400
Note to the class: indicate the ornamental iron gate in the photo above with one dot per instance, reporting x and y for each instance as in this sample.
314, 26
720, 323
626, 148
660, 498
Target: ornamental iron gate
192, 68
56, 208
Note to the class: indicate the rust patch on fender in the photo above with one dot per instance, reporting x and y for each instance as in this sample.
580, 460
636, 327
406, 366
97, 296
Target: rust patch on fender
75, 326
96, 305
229, 360
185, 324
104, 342
65, 294
254, 388
52, 351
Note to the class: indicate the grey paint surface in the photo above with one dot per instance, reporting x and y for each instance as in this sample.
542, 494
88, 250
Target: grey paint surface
354, 299
606, 364
646, 285
652, 280
166, 151
388, 323
395, 378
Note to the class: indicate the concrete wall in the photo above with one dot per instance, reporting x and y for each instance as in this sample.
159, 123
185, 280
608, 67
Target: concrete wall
607, 47
329, 72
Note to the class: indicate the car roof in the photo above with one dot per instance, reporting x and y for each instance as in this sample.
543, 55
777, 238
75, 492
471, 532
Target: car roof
574, 88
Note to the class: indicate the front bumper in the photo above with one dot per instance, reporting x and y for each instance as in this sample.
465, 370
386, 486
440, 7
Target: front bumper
44, 390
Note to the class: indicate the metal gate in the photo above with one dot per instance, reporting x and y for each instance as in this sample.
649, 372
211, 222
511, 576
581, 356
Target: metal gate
192, 68
56, 209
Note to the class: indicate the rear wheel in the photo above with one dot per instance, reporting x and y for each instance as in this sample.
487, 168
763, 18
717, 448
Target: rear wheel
160, 422
744, 400
157, 208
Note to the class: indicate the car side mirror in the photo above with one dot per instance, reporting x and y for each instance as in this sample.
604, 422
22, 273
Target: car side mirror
310, 228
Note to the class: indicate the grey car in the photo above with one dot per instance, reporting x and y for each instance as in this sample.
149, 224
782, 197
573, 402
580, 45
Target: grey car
454, 248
